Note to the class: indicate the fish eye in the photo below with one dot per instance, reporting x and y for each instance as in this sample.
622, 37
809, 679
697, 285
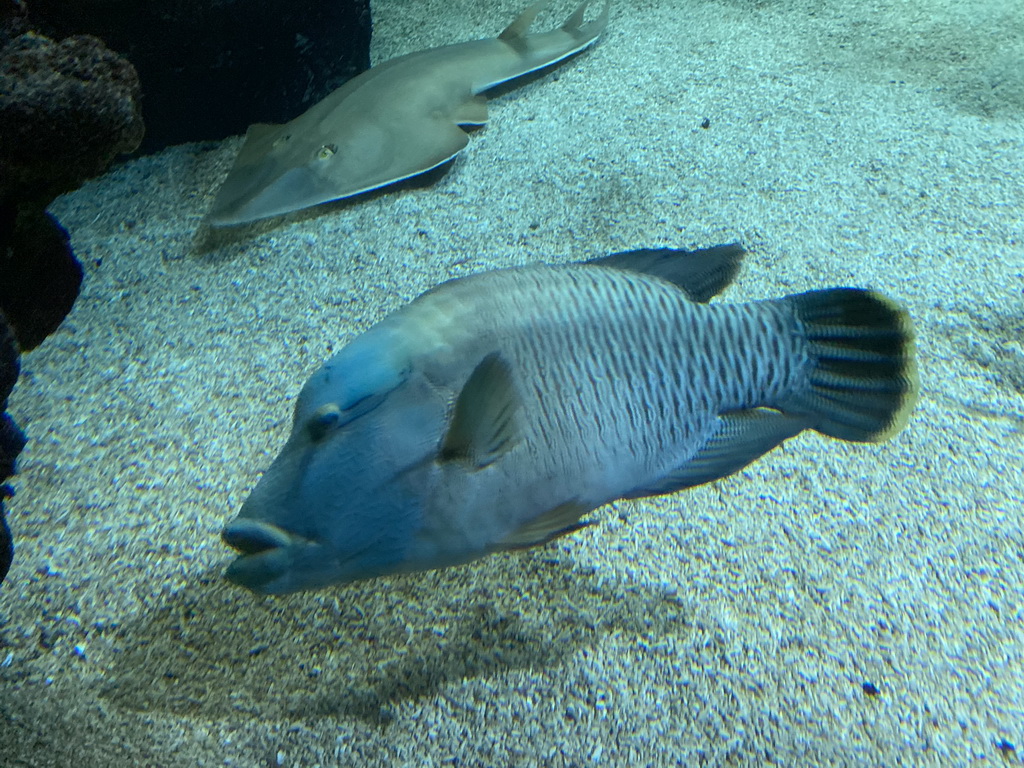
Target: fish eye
323, 421
326, 151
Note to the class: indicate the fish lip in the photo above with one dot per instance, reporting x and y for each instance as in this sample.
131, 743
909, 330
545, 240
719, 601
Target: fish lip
271, 567
252, 537
259, 572
267, 556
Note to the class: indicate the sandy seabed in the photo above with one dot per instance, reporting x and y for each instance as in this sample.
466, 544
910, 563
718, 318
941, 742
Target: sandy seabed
877, 144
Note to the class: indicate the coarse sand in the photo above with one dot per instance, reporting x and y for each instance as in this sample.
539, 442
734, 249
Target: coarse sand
831, 605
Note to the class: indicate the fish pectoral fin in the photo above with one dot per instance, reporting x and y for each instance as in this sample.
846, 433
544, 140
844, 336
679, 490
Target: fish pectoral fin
740, 438
473, 111
562, 520
484, 424
700, 274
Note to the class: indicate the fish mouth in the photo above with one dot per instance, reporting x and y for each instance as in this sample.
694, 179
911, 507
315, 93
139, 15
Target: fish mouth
266, 553
250, 537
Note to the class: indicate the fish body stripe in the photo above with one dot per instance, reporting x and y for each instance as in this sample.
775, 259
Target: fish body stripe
616, 365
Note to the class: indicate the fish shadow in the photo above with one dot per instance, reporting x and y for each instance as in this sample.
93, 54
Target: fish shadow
364, 650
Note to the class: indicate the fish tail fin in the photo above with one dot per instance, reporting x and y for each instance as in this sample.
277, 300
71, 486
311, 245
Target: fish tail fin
864, 382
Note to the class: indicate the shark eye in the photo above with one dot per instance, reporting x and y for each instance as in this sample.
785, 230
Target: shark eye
326, 151
323, 421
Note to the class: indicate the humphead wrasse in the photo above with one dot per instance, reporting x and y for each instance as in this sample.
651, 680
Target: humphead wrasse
396, 120
495, 411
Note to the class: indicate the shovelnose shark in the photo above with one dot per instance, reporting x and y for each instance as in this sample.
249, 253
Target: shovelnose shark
393, 121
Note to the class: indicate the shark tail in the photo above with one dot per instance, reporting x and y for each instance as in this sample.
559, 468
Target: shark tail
574, 24
516, 32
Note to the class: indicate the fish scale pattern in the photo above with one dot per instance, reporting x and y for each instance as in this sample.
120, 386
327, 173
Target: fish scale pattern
620, 367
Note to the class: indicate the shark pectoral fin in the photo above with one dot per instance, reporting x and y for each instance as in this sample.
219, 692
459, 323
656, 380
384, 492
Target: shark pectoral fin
485, 422
741, 438
473, 111
562, 520
515, 33
700, 274
436, 143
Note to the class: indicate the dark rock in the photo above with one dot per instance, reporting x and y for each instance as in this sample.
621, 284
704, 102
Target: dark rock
6, 546
211, 69
9, 367
12, 440
66, 110
13, 20
39, 274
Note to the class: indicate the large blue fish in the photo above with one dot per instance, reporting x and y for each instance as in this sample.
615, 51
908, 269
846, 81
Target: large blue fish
495, 411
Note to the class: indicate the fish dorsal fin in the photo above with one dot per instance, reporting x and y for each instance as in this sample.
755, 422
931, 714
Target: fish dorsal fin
741, 438
700, 274
514, 33
563, 519
484, 425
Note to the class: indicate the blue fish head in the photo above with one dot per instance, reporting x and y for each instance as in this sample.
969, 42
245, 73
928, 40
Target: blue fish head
344, 498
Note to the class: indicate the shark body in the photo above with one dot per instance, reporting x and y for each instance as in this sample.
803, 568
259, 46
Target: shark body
394, 121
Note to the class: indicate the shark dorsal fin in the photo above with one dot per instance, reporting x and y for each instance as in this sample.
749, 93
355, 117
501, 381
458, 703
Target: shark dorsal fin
516, 31
484, 425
